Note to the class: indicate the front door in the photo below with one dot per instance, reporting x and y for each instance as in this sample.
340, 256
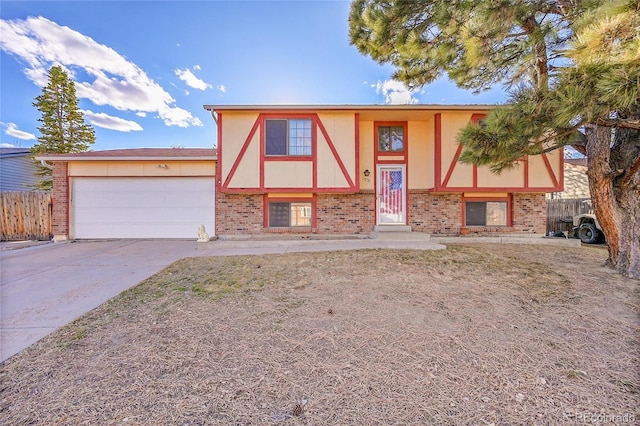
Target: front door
391, 194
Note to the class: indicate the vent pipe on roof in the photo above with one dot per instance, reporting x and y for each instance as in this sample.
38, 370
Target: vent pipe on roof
44, 164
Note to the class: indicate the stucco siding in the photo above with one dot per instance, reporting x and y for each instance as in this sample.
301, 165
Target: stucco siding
141, 168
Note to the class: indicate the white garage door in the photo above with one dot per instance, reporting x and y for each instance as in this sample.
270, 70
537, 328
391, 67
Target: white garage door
141, 207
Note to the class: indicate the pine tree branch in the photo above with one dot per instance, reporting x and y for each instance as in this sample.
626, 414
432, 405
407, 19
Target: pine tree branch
555, 136
553, 148
621, 123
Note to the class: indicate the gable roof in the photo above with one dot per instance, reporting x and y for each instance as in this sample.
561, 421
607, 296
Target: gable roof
137, 154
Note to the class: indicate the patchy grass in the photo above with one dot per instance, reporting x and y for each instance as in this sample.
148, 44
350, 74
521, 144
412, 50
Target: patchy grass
484, 334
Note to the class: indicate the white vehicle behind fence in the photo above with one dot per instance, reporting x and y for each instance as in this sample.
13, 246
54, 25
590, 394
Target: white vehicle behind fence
587, 228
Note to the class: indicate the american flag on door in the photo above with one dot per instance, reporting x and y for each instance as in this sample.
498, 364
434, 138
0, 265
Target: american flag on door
391, 191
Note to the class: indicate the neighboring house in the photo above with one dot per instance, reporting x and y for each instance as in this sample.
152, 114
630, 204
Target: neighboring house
330, 169
17, 171
576, 181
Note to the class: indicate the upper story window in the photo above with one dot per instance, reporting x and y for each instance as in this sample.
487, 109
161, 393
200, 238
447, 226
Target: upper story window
391, 139
479, 120
288, 136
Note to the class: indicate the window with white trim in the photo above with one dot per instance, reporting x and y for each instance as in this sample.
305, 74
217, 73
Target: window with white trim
288, 137
486, 213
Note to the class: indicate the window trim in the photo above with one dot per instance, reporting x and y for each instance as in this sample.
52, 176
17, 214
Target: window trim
477, 119
507, 200
405, 141
288, 157
312, 200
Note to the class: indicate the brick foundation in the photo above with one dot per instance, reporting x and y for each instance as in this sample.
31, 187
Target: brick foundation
239, 214
355, 214
346, 213
435, 213
530, 213
60, 195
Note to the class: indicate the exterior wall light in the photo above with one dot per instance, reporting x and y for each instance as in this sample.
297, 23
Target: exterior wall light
367, 173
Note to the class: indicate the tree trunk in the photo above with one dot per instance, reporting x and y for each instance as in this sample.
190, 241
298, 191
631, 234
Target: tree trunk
614, 182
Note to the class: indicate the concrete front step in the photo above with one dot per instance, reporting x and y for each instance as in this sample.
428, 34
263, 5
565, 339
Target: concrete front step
392, 228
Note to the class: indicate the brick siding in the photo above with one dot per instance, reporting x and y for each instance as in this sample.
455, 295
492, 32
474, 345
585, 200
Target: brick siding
345, 213
239, 213
355, 214
435, 213
530, 213
60, 194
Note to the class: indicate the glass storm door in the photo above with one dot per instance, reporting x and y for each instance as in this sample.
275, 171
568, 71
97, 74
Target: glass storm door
390, 195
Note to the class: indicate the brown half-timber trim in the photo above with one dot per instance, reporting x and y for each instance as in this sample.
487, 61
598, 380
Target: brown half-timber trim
317, 125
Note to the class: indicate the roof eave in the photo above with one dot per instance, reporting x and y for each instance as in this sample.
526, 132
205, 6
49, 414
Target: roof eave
350, 107
124, 158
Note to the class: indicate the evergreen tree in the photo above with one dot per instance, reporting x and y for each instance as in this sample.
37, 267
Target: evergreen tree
572, 66
62, 128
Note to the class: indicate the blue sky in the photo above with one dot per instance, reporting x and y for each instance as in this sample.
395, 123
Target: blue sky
143, 70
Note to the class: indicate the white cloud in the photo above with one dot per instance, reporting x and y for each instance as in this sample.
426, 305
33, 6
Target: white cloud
11, 129
192, 81
141, 114
221, 88
112, 79
395, 92
107, 121
196, 67
7, 145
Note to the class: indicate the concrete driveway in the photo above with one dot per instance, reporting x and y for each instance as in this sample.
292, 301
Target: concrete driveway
47, 286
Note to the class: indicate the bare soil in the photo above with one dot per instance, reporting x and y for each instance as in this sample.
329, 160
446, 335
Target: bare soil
486, 334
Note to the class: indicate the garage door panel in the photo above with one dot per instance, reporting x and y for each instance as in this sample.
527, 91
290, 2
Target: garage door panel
103, 200
141, 207
141, 215
146, 230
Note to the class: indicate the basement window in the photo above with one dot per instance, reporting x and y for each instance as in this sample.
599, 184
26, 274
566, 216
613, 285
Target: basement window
289, 215
486, 213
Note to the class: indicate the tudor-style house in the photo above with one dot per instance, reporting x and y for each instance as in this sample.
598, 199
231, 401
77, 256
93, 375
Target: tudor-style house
329, 169
345, 169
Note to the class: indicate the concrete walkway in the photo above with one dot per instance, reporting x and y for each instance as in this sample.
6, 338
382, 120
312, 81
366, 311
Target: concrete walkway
45, 286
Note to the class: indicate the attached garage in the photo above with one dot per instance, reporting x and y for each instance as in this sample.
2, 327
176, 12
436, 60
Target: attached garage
138, 207
134, 193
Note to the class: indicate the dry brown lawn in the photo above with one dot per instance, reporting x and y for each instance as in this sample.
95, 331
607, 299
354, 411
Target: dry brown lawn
486, 334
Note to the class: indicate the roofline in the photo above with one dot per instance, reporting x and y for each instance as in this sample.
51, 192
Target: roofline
351, 107
55, 157
14, 154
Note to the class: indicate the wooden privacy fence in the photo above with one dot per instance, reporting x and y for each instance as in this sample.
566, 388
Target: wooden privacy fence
560, 210
25, 215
